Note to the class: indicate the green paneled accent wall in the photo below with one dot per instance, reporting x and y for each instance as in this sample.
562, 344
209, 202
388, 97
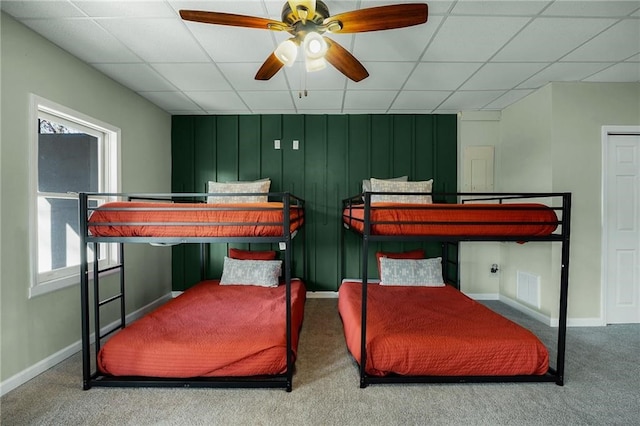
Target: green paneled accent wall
336, 152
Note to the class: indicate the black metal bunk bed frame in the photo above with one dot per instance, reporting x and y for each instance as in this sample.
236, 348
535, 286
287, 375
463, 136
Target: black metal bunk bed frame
93, 377
364, 201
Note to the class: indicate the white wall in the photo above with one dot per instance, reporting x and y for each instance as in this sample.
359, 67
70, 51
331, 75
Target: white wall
33, 330
550, 141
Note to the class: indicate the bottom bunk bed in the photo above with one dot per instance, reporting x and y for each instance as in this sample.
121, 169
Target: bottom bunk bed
415, 325
210, 330
436, 331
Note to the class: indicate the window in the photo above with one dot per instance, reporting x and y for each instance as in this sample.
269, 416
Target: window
71, 153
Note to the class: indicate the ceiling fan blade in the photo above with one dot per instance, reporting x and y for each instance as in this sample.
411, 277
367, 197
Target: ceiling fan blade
269, 68
231, 19
380, 18
344, 61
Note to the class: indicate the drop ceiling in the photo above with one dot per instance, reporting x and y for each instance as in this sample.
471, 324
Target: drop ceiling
470, 55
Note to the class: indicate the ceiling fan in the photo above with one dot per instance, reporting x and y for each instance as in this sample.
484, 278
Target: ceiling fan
307, 21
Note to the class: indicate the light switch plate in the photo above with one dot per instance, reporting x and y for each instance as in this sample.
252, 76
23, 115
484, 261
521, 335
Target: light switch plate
296, 144
276, 143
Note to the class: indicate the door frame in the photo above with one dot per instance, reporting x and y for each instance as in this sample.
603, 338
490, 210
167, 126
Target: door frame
607, 131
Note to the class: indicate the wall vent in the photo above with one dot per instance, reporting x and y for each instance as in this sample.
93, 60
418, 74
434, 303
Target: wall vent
528, 288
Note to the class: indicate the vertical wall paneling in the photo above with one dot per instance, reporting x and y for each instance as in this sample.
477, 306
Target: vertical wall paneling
335, 153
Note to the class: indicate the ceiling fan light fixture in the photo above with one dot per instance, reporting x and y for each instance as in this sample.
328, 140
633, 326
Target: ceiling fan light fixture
286, 52
316, 64
314, 46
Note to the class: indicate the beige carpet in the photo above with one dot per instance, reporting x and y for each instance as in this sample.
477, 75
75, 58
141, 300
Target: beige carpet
602, 388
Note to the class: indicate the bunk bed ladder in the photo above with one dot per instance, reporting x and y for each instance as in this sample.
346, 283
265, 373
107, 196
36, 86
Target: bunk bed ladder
118, 297
87, 374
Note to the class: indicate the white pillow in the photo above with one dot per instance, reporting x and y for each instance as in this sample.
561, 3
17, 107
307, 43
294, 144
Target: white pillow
381, 185
366, 183
263, 273
411, 272
261, 186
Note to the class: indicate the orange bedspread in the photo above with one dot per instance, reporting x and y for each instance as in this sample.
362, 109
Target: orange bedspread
523, 219
209, 330
436, 331
145, 219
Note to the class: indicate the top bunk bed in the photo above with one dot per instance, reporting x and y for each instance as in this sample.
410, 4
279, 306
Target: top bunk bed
475, 217
190, 217
419, 307
261, 353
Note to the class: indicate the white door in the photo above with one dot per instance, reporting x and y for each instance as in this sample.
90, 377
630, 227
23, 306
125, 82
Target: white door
622, 223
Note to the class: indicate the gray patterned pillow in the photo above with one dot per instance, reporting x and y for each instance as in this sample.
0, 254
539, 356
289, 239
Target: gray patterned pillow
366, 183
261, 186
381, 185
263, 273
411, 272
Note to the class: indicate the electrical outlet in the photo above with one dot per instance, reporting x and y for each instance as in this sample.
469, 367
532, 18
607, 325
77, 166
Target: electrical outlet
296, 144
276, 143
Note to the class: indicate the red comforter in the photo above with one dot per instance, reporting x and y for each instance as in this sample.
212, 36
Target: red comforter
523, 219
436, 331
209, 330
145, 219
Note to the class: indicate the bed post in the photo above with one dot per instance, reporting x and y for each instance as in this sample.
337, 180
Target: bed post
564, 287
84, 293
287, 277
365, 258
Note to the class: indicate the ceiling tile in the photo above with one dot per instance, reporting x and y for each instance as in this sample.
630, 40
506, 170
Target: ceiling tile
419, 100
497, 8
319, 100
242, 77
622, 72
563, 71
441, 75
141, 76
171, 101
508, 98
218, 101
470, 100
472, 39
559, 36
383, 76
156, 40
495, 76
369, 100
91, 43
193, 76
120, 9
40, 9
267, 101
234, 44
406, 44
615, 44
591, 8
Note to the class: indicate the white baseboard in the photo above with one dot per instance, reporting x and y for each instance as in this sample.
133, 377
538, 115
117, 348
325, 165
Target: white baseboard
483, 296
40, 367
551, 321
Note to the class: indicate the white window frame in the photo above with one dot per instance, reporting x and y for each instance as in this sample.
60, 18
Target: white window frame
108, 157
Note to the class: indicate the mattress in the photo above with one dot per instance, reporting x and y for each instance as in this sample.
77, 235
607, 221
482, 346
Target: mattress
521, 219
153, 219
209, 331
436, 331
